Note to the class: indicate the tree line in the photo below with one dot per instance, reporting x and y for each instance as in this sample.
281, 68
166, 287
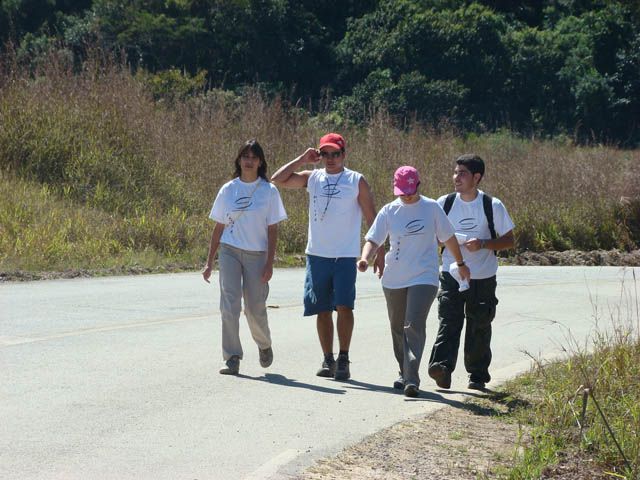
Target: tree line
537, 67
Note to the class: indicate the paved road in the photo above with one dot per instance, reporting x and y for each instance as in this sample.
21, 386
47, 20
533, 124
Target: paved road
116, 378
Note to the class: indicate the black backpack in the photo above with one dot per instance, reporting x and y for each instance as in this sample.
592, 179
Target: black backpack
486, 205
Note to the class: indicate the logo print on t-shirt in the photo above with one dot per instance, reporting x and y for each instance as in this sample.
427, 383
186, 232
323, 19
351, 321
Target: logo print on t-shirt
330, 190
242, 203
468, 224
414, 227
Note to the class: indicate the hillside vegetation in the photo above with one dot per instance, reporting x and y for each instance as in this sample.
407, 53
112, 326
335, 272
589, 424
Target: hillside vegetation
96, 173
543, 67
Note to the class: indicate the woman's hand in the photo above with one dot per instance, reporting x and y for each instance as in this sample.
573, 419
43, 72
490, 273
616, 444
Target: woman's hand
267, 273
206, 273
363, 264
378, 263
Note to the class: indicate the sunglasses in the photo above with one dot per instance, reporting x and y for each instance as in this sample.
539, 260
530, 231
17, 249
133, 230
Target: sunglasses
330, 154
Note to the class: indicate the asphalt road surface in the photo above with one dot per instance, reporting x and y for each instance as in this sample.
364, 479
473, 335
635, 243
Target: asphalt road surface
117, 378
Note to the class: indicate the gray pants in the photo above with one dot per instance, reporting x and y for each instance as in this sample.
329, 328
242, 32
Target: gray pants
240, 277
408, 309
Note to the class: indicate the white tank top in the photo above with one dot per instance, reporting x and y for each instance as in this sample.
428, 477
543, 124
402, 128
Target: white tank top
335, 216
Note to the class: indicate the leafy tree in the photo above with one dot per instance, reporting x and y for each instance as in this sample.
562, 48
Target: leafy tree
282, 42
19, 17
593, 42
462, 45
545, 67
436, 100
536, 97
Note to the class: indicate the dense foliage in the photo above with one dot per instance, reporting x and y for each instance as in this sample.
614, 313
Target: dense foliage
551, 67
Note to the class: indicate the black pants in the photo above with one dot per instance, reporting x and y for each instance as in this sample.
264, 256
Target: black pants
478, 306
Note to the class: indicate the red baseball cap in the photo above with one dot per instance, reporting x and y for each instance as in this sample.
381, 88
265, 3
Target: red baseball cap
405, 181
334, 140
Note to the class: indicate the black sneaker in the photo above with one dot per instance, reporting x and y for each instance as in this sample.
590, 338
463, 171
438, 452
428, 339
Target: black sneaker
233, 366
342, 368
476, 386
411, 390
399, 383
328, 369
441, 374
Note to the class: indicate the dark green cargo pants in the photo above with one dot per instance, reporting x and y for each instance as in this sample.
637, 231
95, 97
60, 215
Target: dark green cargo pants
478, 305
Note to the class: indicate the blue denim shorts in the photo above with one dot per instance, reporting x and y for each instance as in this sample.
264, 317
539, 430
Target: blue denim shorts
329, 282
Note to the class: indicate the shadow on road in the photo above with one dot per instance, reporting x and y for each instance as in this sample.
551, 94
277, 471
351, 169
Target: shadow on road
278, 379
357, 385
434, 397
475, 408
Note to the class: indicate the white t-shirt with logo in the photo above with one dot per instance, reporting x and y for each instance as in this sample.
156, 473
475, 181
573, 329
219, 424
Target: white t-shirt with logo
414, 231
468, 218
246, 210
335, 216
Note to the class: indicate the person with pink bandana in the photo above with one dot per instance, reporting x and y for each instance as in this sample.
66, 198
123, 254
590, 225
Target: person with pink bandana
414, 225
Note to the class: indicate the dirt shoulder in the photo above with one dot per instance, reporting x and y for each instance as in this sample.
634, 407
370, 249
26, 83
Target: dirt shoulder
453, 443
577, 257
473, 440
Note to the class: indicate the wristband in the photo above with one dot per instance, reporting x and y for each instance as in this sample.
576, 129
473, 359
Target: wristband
483, 243
461, 264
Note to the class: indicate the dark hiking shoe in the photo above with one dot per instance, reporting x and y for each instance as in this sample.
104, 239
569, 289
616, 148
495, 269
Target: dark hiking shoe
266, 357
411, 390
342, 368
399, 383
328, 369
233, 366
441, 375
476, 386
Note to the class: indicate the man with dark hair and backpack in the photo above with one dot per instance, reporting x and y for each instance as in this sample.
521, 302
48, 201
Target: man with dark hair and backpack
482, 226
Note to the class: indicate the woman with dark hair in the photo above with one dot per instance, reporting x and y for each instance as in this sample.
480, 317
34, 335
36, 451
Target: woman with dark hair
251, 147
247, 211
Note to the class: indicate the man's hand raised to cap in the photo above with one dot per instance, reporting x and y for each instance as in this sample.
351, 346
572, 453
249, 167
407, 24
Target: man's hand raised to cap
311, 155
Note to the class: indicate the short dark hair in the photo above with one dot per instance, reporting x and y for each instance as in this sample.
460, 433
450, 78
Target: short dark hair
255, 147
472, 162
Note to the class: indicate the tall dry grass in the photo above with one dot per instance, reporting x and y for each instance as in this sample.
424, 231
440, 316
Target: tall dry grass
100, 143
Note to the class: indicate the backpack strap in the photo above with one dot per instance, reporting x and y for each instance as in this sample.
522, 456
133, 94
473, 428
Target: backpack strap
487, 205
448, 203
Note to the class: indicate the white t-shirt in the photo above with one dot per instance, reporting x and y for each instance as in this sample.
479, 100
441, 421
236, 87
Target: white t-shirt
246, 210
414, 231
335, 216
468, 218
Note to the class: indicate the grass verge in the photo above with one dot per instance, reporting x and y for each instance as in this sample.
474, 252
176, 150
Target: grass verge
581, 414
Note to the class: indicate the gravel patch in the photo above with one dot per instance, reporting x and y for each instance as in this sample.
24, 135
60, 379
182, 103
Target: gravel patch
462, 443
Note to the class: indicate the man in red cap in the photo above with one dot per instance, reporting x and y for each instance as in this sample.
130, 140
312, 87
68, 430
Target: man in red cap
338, 199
